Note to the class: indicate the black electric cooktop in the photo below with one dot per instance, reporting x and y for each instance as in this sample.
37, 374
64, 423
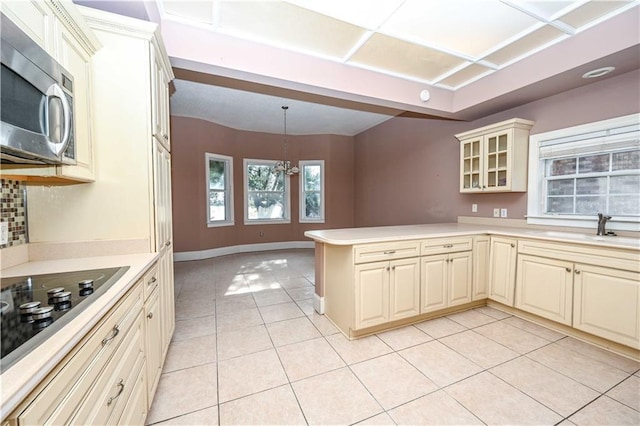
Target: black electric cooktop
34, 307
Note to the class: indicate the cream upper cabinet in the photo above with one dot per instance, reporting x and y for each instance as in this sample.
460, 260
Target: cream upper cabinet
545, 287
60, 30
494, 158
502, 270
160, 101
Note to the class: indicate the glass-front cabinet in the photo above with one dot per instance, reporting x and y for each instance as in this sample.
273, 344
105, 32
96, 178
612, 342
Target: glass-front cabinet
494, 158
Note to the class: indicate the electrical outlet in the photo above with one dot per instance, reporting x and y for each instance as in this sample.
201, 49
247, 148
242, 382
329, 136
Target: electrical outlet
503, 212
4, 233
496, 212
474, 208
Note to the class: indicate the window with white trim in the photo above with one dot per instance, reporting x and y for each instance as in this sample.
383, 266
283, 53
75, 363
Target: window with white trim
219, 190
267, 198
578, 172
312, 191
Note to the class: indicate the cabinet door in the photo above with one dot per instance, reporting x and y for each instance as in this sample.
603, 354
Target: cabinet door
434, 283
471, 165
497, 160
480, 268
35, 18
502, 270
153, 344
404, 288
162, 196
77, 61
459, 278
372, 294
167, 306
607, 303
159, 100
545, 287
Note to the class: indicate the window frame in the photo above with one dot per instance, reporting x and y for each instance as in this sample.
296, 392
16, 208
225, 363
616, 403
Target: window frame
286, 197
536, 195
302, 215
228, 160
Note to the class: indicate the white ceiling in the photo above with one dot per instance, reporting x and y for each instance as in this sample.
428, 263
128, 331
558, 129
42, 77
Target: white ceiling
444, 45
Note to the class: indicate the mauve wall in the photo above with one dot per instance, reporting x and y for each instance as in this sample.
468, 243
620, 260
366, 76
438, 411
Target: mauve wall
407, 169
192, 138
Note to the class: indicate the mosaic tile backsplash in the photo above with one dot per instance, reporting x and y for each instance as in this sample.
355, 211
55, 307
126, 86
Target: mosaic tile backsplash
13, 211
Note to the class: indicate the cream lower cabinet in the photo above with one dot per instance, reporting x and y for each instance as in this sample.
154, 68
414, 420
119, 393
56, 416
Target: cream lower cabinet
446, 281
545, 287
100, 380
386, 291
502, 270
480, 269
153, 336
607, 303
593, 290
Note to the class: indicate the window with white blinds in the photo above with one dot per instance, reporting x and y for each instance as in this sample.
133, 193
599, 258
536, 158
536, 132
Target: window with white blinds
578, 172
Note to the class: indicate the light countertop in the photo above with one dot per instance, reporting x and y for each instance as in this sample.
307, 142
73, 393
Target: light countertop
23, 376
379, 234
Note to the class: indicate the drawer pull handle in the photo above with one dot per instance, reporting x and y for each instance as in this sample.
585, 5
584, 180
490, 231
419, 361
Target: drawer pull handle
121, 386
568, 269
389, 252
150, 315
114, 333
577, 271
448, 245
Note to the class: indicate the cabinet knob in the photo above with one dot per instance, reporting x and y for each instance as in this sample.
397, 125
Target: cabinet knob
150, 315
568, 269
388, 268
513, 245
577, 271
394, 268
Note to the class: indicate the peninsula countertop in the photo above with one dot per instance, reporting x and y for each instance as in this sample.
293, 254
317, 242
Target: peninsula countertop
379, 234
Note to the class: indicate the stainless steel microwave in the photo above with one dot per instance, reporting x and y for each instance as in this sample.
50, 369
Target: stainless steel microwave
36, 102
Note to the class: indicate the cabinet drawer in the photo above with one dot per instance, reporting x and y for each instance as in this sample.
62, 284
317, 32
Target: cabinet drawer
150, 280
108, 398
377, 252
628, 260
446, 245
57, 401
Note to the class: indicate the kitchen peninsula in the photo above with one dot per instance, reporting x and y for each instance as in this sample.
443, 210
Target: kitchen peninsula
370, 279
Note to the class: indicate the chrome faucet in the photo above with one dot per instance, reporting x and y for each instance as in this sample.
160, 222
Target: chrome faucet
602, 222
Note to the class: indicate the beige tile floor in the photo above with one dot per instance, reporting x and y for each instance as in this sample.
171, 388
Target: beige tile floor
249, 349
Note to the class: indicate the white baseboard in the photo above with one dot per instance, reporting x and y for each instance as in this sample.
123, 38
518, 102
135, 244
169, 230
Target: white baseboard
318, 304
244, 248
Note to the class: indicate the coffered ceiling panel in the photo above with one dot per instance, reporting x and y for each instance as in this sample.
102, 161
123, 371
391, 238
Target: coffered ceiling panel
197, 11
530, 42
399, 57
591, 11
468, 27
471, 72
284, 24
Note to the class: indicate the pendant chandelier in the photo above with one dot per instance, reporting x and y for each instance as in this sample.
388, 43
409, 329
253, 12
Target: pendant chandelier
285, 165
